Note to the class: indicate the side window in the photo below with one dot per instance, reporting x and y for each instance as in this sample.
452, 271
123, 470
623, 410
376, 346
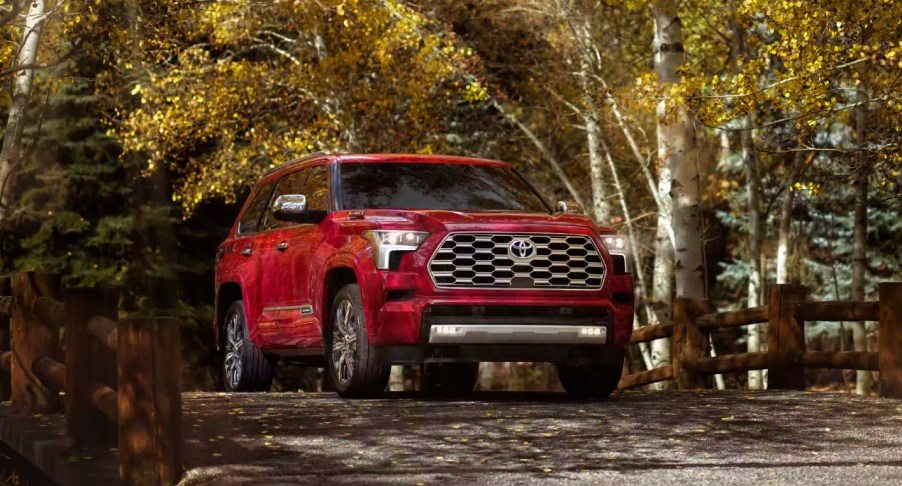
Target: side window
250, 220
289, 184
317, 190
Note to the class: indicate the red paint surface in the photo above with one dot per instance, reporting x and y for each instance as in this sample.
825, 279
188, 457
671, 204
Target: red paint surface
296, 276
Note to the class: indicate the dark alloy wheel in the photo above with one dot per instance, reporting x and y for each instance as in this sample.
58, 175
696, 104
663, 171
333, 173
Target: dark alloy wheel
244, 367
450, 378
589, 381
349, 355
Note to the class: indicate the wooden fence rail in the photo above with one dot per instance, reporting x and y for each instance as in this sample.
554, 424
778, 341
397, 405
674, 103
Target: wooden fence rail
787, 357
120, 377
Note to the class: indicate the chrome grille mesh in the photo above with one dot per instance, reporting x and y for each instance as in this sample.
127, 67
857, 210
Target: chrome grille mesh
485, 260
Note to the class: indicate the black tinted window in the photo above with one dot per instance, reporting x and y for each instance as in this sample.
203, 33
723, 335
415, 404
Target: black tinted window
459, 187
250, 220
289, 184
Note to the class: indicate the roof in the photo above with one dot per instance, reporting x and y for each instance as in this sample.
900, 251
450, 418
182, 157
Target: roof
375, 158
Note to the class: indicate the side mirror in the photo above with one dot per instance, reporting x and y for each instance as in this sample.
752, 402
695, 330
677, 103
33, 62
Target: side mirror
568, 207
290, 207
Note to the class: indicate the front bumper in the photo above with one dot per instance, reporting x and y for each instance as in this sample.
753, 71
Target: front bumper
405, 308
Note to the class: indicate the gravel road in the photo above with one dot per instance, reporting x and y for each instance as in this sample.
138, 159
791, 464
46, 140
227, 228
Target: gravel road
691, 437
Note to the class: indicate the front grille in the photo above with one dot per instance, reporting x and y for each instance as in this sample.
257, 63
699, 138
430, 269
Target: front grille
487, 260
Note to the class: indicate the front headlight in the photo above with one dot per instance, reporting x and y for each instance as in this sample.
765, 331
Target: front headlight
386, 242
619, 249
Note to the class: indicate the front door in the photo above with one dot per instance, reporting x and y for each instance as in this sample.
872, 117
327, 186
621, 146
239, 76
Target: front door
286, 262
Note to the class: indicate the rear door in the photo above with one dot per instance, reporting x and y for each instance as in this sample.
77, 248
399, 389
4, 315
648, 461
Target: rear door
242, 257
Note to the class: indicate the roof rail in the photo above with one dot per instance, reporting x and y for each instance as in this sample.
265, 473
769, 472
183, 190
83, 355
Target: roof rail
293, 162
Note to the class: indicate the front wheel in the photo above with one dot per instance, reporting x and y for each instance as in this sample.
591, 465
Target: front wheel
350, 358
589, 381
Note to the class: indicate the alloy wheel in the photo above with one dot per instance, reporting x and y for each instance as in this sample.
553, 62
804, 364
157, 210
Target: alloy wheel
344, 341
234, 345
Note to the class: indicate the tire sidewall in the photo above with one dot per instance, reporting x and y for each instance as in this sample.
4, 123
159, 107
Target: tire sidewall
237, 307
346, 293
361, 382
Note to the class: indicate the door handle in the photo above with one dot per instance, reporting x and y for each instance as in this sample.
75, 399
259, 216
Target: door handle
282, 246
247, 251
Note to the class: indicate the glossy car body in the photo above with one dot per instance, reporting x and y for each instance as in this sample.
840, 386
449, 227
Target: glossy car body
287, 276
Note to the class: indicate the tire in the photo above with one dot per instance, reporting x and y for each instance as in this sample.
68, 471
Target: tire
450, 378
349, 356
244, 367
589, 381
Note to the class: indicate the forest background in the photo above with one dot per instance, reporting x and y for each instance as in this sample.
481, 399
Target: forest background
758, 138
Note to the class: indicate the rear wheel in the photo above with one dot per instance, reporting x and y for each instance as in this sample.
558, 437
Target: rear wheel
450, 378
244, 367
589, 381
350, 358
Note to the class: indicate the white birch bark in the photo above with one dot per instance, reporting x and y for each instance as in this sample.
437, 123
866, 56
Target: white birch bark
677, 147
756, 336
662, 273
21, 89
601, 207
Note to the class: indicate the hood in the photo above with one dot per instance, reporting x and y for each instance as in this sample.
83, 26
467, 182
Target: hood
501, 221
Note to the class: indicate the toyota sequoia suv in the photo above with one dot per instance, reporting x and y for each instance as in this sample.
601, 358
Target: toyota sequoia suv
360, 262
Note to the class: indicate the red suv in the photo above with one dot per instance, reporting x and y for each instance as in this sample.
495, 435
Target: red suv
359, 262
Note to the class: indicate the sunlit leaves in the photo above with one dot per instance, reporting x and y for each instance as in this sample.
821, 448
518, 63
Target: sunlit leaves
248, 85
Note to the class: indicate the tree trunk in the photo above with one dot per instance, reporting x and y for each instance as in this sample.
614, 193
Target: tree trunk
662, 274
677, 147
601, 207
21, 89
859, 248
756, 335
749, 157
798, 164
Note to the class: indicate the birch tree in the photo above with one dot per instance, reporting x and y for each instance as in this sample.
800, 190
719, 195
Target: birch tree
23, 78
678, 150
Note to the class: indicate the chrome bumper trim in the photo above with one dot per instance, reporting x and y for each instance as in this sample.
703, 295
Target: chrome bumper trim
515, 334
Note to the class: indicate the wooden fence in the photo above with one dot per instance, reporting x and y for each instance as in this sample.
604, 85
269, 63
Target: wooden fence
786, 358
120, 378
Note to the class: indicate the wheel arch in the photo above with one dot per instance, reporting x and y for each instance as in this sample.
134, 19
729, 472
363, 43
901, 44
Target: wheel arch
228, 292
336, 278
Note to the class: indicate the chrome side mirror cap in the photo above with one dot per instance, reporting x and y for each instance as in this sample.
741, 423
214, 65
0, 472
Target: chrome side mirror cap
568, 207
289, 207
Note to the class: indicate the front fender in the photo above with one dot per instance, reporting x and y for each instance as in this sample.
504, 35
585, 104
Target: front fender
357, 256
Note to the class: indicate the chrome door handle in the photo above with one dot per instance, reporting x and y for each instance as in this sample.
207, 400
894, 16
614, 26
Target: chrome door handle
247, 251
282, 246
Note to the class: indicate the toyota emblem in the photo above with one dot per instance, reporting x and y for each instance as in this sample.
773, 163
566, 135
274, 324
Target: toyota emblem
522, 249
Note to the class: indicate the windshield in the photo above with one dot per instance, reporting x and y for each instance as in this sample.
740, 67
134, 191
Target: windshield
455, 187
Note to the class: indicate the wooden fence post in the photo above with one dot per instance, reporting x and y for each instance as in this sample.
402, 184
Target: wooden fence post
785, 338
689, 343
32, 339
889, 354
6, 289
88, 362
149, 401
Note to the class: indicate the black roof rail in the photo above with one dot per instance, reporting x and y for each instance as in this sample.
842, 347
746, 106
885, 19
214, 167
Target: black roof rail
297, 161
